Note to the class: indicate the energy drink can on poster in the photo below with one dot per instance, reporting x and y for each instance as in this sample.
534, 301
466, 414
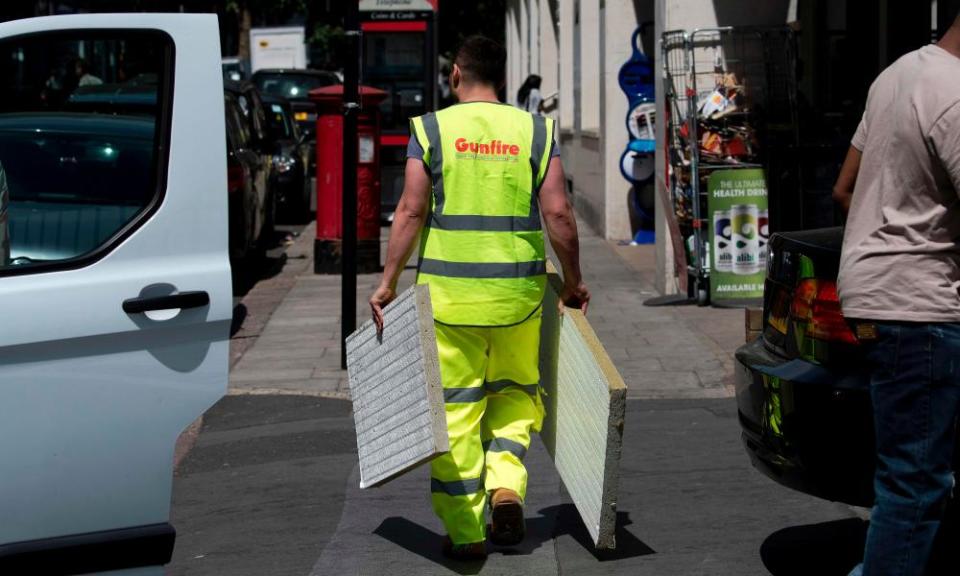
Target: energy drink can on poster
746, 239
722, 241
763, 229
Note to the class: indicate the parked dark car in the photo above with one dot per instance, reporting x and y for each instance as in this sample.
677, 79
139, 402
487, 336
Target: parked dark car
802, 392
137, 95
291, 160
253, 111
235, 69
247, 180
106, 159
295, 86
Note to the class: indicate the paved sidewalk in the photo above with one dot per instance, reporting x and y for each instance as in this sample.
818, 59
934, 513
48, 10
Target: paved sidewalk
298, 350
271, 486
664, 352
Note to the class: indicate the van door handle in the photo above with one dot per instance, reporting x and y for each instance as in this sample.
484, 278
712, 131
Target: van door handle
182, 300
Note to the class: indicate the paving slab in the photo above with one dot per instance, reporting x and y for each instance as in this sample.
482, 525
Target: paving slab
620, 278
298, 349
317, 386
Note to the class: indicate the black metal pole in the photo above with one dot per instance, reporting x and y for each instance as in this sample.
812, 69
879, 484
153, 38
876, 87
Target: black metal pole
351, 111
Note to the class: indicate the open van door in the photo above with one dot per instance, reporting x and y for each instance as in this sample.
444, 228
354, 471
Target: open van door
115, 294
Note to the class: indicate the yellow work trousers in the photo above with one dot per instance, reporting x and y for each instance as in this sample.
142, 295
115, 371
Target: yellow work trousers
492, 394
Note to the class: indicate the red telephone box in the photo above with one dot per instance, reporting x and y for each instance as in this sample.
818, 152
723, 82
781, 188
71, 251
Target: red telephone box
400, 56
328, 243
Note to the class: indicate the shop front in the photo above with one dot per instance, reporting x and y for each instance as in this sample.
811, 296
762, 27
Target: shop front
760, 108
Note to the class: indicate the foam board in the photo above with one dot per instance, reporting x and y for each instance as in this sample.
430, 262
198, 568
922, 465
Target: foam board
586, 402
396, 391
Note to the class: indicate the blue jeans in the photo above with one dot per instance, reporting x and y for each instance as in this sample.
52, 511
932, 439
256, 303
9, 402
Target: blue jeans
915, 390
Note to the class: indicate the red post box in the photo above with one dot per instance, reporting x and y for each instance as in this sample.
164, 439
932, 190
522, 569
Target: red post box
329, 240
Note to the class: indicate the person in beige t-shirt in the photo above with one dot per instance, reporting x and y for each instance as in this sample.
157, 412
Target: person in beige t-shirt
899, 284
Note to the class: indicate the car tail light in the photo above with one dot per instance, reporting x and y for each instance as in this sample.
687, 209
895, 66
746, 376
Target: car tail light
816, 305
235, 178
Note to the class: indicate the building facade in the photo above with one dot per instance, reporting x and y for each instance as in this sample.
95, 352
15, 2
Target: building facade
579, 46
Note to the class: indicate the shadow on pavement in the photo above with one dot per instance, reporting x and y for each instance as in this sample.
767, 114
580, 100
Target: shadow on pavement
825, 549
553, 521
568, 522
834, 548
239, 315
946, 554
245, 275
422, 542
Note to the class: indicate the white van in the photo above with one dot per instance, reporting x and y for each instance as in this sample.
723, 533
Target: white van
115, 296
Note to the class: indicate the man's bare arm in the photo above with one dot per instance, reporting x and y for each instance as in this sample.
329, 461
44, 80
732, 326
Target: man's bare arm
847, 180
407, 222
562, 230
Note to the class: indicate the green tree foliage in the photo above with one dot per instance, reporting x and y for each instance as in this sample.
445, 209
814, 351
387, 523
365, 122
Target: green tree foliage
327, 42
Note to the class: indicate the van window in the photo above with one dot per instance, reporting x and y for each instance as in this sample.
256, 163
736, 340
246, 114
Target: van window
83, 119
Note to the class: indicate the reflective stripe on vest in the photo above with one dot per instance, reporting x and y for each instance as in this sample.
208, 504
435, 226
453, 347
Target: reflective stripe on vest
482, 250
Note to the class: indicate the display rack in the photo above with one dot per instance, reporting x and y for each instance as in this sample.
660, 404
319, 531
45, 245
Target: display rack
730, 98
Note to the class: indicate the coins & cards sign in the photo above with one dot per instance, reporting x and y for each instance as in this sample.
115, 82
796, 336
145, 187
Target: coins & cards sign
377, 5
739, 229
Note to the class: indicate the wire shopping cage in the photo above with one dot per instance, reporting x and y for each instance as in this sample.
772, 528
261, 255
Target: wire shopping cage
731, 97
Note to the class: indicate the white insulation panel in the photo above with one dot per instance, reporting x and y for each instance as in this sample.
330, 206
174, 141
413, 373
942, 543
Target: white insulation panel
586, 403
395, 386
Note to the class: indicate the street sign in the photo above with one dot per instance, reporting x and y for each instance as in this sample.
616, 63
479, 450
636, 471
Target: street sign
396, 5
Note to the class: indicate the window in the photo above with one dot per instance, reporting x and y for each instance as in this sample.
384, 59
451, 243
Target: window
590, 65
280, 126
396, 62
577, 67
82, 119
237, 123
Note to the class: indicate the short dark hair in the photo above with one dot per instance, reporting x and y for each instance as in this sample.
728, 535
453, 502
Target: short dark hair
483, 61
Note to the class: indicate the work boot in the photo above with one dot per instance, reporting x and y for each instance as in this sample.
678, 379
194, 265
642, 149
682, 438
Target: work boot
464, 552
507, 524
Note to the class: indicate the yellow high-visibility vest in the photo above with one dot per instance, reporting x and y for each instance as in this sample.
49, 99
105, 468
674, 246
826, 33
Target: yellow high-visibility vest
481, 250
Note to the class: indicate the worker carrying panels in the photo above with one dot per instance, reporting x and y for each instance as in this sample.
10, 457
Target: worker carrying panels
396, 390
401, 422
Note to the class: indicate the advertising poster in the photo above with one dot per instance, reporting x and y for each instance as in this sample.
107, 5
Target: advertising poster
738, 231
